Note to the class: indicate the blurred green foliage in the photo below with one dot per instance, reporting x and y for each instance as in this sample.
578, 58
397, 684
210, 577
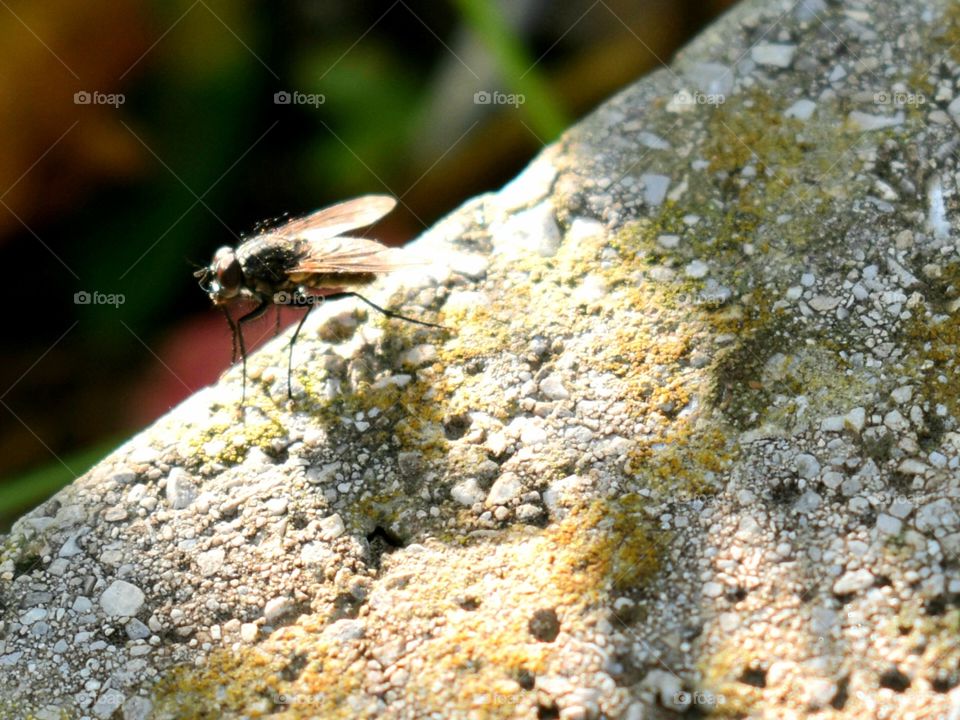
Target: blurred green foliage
516, 66
202, 86
24, 492
372, 107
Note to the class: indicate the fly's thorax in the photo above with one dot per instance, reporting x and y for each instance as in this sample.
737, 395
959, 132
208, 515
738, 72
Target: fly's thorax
268, 287
267, 258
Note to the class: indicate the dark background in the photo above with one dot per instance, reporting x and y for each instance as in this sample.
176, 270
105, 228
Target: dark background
130, 198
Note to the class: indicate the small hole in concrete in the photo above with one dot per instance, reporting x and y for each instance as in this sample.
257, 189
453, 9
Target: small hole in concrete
545, 625
895, 680
456, 426
755, 677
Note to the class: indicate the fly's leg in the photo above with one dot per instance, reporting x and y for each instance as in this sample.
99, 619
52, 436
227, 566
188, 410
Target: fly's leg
233, 335
299, 298
388, 313
257, 312
290, 351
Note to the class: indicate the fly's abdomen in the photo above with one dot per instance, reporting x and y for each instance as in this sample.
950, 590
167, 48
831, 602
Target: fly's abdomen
325, 281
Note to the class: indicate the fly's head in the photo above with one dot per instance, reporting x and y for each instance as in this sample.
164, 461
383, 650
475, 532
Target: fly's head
222, 280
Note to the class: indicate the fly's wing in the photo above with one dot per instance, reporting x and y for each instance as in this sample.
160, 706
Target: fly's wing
337, 219
350, 255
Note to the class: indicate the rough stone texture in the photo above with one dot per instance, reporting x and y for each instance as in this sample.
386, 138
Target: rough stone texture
690, 444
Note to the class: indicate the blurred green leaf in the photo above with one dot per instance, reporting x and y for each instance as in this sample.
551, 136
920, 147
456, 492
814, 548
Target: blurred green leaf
371, 99
203, 86
23, 493
517, 68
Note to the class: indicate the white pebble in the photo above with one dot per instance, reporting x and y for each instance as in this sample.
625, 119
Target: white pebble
776, 55
122, 599
332, 527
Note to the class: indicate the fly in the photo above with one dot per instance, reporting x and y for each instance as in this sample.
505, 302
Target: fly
300, 261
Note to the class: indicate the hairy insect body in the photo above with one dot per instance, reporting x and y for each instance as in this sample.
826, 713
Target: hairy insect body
265, 262
306, 257
269, 263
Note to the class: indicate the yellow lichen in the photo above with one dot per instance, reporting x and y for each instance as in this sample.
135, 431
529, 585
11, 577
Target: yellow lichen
572, 566
932, 339
722, 673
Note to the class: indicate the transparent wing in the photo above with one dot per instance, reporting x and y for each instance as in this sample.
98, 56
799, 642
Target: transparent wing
351, 255
337, 219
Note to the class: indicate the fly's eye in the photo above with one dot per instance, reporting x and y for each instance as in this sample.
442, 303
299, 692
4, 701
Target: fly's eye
227, 268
